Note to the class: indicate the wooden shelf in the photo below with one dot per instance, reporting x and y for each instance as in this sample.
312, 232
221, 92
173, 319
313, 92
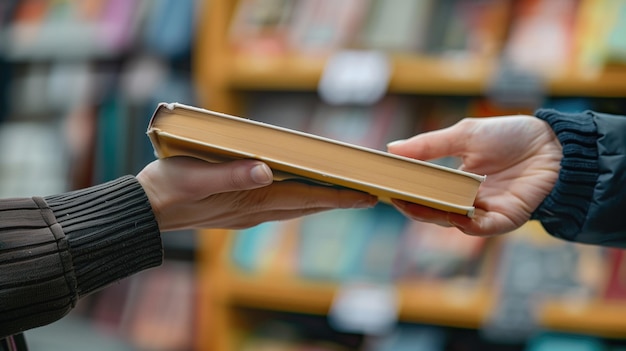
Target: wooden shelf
275, 73
436, 303
289, 294
411, 74
601, 318
426, 302
414, 75
443, 303
611, 82
444, 76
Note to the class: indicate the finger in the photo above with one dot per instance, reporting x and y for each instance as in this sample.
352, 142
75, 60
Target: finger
431, 145
269, 216
422, 213
209, 178
484, 223
287, 195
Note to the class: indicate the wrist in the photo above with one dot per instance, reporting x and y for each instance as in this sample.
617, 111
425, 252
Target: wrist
563, 211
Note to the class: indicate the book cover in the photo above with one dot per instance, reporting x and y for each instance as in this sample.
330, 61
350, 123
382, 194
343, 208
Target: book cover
397, 26
616, 285
432, 252
162, 316
381, 244
369, 126
541, 36
261, 26
177, 129
331, 243
320, 27
254, 247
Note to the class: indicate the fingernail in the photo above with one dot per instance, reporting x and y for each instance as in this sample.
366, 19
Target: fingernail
395, 142
261, 174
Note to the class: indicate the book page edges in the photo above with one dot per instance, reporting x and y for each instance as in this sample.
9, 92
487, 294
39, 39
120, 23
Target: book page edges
169, 145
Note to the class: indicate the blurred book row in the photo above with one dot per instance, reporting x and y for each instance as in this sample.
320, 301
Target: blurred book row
534, 34
59, 54
47, 29
380, 246
92, 71
415, 26
376, 245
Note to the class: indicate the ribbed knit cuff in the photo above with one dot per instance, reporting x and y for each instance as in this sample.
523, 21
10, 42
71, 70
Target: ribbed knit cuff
111, 229
564, 210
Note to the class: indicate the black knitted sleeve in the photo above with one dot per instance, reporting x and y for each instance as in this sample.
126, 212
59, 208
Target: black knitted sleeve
56, 249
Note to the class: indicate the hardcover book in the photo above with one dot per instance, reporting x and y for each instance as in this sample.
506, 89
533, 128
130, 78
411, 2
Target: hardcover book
180, 130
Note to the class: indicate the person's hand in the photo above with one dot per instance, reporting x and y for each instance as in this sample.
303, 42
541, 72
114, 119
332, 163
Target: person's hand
520, 155
189, 193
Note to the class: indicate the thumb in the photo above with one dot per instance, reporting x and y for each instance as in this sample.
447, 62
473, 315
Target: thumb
240, 175
431, 145
199, 176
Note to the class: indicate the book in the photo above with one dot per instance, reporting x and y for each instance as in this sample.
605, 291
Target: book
180, 130
260, 27
321, 27
616, 284
371, 126
381, 244
331, 242
254, 248
396, 26
431, 252
161, 316
527, 45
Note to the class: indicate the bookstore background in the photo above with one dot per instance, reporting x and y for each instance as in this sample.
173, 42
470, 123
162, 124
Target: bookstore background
80, 79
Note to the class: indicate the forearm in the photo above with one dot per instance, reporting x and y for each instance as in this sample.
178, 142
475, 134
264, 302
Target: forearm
586, 205
57, 249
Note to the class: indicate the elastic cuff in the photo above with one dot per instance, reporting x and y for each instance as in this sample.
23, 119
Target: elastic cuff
111, 229
564, 210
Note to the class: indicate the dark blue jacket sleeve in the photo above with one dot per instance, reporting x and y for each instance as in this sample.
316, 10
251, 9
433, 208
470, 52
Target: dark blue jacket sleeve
587, 203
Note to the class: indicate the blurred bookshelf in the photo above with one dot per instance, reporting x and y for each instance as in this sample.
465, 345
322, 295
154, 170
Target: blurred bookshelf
267, 60
78, 83
90, 73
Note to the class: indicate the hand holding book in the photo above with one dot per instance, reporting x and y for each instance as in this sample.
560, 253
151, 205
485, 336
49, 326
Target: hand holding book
519, 154
187, 193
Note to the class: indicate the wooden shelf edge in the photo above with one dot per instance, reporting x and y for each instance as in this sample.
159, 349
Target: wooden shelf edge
278, 293
600, 318
427, 302
414, 75
411, 74
448, 304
